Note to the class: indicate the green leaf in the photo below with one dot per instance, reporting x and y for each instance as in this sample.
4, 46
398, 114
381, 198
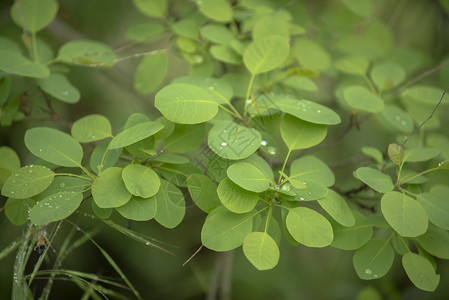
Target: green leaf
185, 138
203, 192
138, 209
355, 65
34, 15
309, 227
395, 117
225, 54
109, 190
54, 146
265, 54
435, 241
270, 26
91, 128
420, 154
352, 238
436, 205
58, 86
309, 111
102, 213
186, 103
9, 162
171, 159
400, 244
16, 210
375, 179
336, 206
103, 158
300, 84
374, 153
5, 88
217, 33
135, 134
235, 198
424, 94
309, 168
217, 10
373, 260
150, 72
140, 180
218, 87
298, 134
311, 55
261, 250
248, 177
178, 174
171, 206
27, 181
232, 141
360, 98
187, 28
15, 63
55, 207
261, 164
396, 153
362, 8
152, 8
145, 32
224, 230
312, 191
420, 271
387, 75
64, 184
86, 52
404, 214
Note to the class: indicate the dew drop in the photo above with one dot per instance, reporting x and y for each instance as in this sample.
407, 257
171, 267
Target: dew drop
62, 185
272, 150
263, 143
148, 243
40, 150
318, 111
302, 198
224, 144
17, 175
65, 93
368, 272
286, 187
30, 171
12, 192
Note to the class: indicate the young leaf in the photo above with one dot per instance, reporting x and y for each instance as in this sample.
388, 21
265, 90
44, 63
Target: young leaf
360, 98
59, 87
171, 205
86, 52
27, 182
54, 146
270, 26
138, 209
373, 260
265, 54
186, 103
309, 111
55, 207
146, 80
91, 128
352, 238
387, 75
15, 63
404, 214
261, 250
309, 227
298, 134
34, 15
435, 241
103, 158
420, 271
420, 154
248, 177
203, 192
140, 180
436, 205
336, 206
108, 190
135, 134
235, 198
309, 168
224, 230
375, 179
311, 55
396, 153
217, 10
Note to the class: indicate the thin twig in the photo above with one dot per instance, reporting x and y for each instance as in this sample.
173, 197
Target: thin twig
193, 255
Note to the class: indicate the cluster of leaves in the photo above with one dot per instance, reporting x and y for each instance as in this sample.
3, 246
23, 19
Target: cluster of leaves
252, 65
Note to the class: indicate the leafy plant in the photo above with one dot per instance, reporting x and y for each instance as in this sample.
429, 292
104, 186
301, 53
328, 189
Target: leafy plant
242, 135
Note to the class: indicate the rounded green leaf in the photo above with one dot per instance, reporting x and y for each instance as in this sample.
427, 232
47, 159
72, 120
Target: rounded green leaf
152, 8
138, 209
373, 153
373, 260
420, 154
387, 75
5, 88
420, 271
261, 250
171, 206
362, 8
435, 241
186, 103
34, 15
354, 237
397, 118
270, 26
86, 52
150, 73
404, 214
309, 191
248, 177
224, 230
298, 134
225, 54
15, 63
235, 198
261, 164
185, 138
140, 180
91, 128
311, 55
54, 146
217, 33
336, 206
355, 64
425, 94
16, 210
64, 184
396, 153
103, 158
55, 207
203, 192
436, 206
59, 87
360, 98
309, 168
265, 54
135, 134
220, 88
145, 31
9, 162
375, 179
27, 182
217, 10
309, 227
109, 190
232, 141
171, 158
309, 111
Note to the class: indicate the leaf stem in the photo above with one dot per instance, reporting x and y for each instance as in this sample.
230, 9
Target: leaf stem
248, 92
284, 164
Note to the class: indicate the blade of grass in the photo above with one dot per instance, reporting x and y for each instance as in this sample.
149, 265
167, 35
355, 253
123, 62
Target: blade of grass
11, 247
19, 287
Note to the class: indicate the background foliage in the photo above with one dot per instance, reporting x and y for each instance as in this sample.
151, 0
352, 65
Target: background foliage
320, 105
